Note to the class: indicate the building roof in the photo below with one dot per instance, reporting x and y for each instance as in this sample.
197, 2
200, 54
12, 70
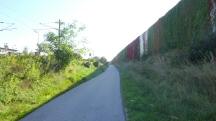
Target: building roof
8, 49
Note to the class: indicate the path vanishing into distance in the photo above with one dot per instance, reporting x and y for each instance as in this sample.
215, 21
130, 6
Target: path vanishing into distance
98, 99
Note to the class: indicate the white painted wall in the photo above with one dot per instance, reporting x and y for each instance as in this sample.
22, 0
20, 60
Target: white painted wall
141, 42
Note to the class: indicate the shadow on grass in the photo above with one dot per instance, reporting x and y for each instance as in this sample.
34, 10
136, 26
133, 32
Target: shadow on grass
97, 72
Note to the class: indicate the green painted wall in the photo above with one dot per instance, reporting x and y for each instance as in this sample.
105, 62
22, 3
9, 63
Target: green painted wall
185, 24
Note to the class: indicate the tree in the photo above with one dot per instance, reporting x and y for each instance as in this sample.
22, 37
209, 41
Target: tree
62, 47
103, 60
97, 61
44, 47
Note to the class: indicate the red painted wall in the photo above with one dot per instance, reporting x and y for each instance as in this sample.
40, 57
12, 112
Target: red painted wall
132, 50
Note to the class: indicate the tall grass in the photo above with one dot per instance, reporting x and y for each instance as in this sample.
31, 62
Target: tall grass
159, 90
26, 82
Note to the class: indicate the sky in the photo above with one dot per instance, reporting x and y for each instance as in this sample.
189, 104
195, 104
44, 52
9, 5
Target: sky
110, 24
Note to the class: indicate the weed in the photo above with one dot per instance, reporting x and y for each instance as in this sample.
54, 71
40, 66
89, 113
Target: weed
25, 85
156, 90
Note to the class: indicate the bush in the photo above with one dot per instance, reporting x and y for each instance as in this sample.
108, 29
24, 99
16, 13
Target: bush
155, 90
87, 64
204, 50
25, 85
103, 60
96, 63
63, 57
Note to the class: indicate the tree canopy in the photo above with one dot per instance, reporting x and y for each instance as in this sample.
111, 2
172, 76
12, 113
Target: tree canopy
62, 46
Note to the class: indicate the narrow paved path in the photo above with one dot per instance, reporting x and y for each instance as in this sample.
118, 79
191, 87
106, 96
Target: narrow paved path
96, 100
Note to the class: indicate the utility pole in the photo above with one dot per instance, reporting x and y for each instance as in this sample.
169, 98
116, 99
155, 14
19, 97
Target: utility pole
59, 22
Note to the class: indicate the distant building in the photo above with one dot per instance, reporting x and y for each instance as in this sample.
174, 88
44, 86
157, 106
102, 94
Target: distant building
6, 50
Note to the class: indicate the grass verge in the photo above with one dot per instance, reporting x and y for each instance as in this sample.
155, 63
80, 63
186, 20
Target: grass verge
156, 90
20, 96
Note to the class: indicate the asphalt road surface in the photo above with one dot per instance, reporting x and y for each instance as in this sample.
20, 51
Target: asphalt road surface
98, 99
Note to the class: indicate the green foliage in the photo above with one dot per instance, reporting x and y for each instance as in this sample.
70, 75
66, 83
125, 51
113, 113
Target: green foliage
183, 26
155, 90
44, 47
167, 86
205, 50
87, 64
96, 63
103, 60
63, 56
62, 47
26, 83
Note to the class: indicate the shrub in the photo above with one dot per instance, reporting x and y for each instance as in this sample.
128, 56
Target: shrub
87, 64
156, 90
204, 50
96, 63
103, 60
24, 85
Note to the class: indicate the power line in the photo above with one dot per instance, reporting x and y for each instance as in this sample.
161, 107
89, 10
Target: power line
17, 20
59, 22
49, 27
37, 31
11, 10
8, 28
23, 24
